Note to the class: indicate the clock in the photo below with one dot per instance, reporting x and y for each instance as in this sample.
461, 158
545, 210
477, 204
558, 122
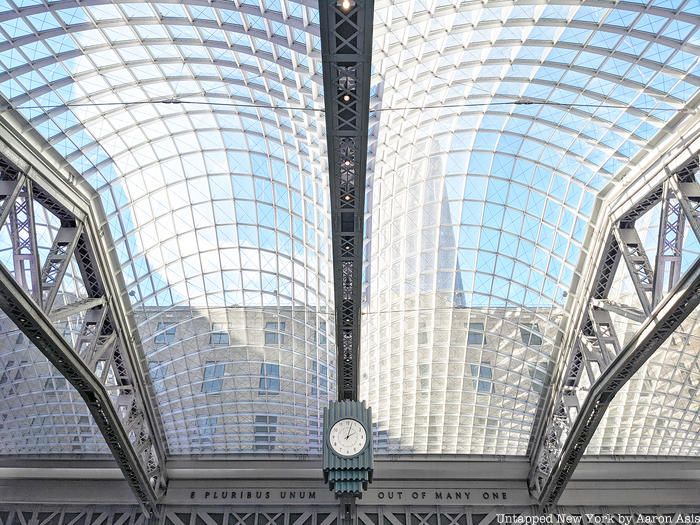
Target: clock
347, 437
347, 447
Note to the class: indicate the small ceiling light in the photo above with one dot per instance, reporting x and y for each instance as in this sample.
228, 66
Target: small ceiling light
346, 98
347, 197
346, 5
347, 163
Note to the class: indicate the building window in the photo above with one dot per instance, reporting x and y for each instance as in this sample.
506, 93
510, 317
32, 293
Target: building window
5, 377
422, 333
54, 384
165, 334
67, 334
530, 334
219, 334
475, 334
206, 426
269, 379
319, 378
538, 374
10, 376
323, 378
157, 369
213, 377
274, 333
424, 378
482, 376
322, 335
265, 429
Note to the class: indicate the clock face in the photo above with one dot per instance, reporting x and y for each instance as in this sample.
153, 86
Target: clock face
347, 437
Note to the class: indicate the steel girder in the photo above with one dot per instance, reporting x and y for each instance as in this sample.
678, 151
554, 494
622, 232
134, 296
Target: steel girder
346, 44
102, 365
598, 365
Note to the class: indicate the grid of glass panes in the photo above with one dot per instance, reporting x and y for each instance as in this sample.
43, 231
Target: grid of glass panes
216, 201
481, 199
269, 364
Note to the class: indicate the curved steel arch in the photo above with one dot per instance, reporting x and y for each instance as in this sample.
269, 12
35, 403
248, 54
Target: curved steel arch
584, 161
128, 421
578, 404
533, 118
165, 118
220, 111
124, 44
555, 65
18, 101
440, 11
218, 4
166, 22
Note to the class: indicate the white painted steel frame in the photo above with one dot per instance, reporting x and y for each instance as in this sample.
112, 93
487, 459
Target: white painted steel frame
144, 470
673, 166
501, 83
264, 60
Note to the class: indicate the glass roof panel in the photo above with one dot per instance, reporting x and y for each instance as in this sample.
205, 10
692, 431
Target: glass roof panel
201, 129
493, 129
40, 412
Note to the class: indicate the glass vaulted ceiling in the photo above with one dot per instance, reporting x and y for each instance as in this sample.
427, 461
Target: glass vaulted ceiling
217, 202
494, 126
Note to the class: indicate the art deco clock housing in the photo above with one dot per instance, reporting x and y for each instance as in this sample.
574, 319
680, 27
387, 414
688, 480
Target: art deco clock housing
347, 447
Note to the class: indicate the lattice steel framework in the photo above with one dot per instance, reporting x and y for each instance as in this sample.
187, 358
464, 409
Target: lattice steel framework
396, 515
71, 516
99, 364
599, 364
346, 44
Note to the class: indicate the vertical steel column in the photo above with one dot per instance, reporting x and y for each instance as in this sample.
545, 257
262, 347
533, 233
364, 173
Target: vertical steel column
24, 248
638, 264
670, 244
346, 45
57, 262
9, 190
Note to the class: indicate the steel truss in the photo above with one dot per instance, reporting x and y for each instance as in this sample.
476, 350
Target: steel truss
346, 44
599, 365
103, 515
369, 515
101, 365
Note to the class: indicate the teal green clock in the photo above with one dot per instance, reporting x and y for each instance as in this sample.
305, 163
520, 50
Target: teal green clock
347, 447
